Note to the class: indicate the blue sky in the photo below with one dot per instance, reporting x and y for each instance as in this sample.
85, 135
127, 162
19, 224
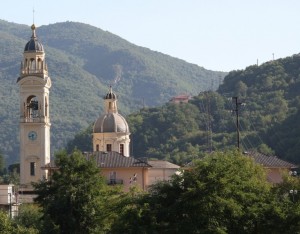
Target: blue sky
218, 35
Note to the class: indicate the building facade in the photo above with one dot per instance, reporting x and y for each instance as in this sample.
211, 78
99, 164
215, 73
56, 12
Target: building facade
111, 135
34, 84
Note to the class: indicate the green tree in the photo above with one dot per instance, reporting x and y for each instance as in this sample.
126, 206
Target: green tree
265, 149
82, 141
288, 203
223, 193
7, 226
13, 174
241, 89
29, 215
76, 198
2, 164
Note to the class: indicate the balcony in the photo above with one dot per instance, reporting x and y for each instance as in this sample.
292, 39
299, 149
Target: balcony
33, 71
114, 181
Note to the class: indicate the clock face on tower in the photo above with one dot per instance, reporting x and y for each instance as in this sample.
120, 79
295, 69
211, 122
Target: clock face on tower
32, 135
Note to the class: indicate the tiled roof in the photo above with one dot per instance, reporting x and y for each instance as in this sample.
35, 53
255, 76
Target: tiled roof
269, 161
114, 159
107, 160
262, 159
181, 98
162, 164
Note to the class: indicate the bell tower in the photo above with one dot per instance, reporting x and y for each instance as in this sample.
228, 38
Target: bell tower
34, 84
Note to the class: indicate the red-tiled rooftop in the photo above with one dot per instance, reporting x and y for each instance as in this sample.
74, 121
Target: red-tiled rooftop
182, 97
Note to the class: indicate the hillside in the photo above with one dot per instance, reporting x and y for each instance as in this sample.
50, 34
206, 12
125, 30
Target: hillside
83, 61
272, 94
269, 120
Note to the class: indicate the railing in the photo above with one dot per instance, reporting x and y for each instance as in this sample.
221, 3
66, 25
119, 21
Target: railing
34, 120
33, 71
114, 181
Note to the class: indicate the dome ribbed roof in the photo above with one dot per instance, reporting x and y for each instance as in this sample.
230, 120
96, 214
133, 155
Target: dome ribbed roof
33, 44
111, 122
110, 94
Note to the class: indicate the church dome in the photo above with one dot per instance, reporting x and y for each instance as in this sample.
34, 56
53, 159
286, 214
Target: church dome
111, 122
33, 44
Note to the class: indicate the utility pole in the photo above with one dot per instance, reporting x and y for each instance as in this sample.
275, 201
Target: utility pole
236, 109
209, 128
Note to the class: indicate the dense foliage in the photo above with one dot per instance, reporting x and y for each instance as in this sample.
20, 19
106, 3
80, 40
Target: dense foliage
83, 61
76, 198
8, 226
223, 193
272, 94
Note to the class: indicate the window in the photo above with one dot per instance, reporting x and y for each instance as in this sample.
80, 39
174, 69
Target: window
108, 147
32, 168
97, 147
122, 149
113, 177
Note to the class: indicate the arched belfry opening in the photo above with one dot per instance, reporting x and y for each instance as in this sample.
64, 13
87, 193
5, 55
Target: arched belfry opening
32, 105
32, 64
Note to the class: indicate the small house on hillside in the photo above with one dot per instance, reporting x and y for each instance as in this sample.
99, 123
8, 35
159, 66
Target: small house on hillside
183, 98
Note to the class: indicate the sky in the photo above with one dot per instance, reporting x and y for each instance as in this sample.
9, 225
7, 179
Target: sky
219, 35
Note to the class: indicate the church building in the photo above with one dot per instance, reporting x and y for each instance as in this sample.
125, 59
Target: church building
111, 135
34, 84
112, 151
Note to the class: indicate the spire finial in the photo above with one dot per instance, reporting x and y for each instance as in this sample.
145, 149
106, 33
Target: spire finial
33, 25
33, 31
33, 15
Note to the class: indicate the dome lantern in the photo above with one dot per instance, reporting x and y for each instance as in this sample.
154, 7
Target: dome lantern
33, 44
110, 100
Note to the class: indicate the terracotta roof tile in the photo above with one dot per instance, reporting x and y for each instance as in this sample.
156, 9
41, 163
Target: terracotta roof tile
262, 159
269, 161
114, 159
162, 164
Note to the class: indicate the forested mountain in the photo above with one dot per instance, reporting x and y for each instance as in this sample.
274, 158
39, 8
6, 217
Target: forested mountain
272, 94
269, 120
83, 61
